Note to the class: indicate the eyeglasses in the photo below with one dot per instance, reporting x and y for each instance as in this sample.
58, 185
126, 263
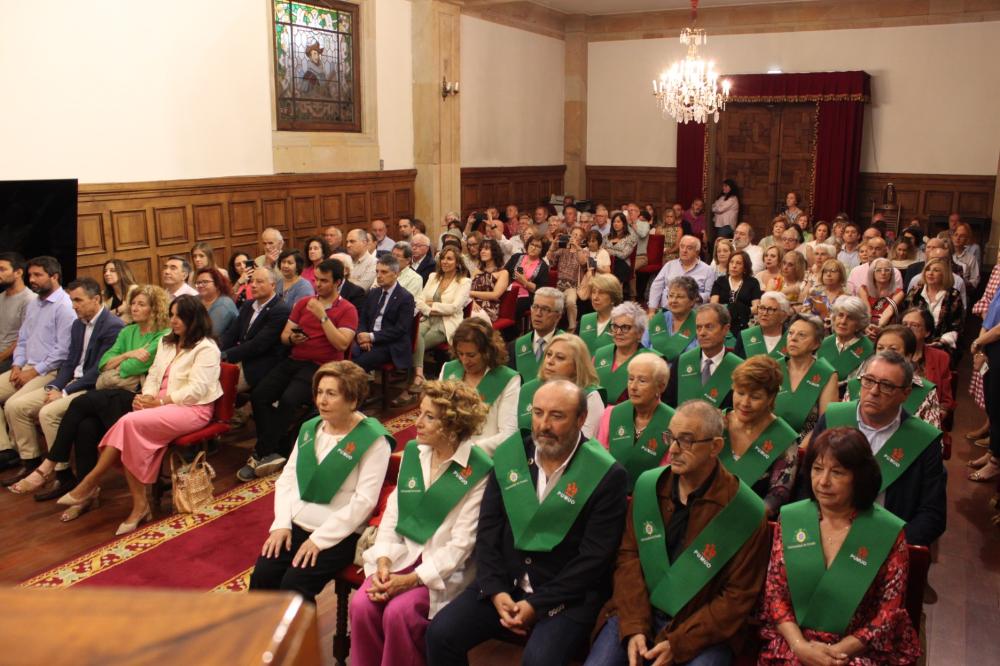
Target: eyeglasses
621, 328
202, 283
765, 309
543, 309
684, 442
869, 382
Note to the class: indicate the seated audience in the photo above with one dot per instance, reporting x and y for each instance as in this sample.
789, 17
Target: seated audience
293, 286
525, 353
334, 238
328, 489
778, 225
688, 264
930, 362
566, 357
363, 269
722, 252
883, 294
203, 256
215, 294
768, 337
604, 292
965, 256
423, 259
174, 278
743, 242
273, 243
671, 331
699, 616
628, 325
546, 545
42, 347
904, 253
383, 244
241, 268
77, 426
825, 601
408, 278
253, 339
832, 285
13, 304
821, 253
704, 372
738, 290
598, 259
118, 283
422, 557
937, 295
489, 281
176, 399
565, 256
907, 450
634, 430
771, 275
316, 252
349, 291
792, 281
847, 346
528, 273
937, 248
849, 254
319, 330
385, 323
810, 383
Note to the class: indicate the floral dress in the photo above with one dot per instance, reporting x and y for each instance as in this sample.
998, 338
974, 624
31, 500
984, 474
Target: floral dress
486, 281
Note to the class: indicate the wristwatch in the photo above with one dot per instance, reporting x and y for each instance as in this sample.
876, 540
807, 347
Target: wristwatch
324, 319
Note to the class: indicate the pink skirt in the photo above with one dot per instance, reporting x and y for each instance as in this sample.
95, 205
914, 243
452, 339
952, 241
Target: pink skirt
143, 436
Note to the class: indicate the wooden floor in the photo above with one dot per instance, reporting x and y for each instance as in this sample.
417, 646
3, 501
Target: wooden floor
962, 615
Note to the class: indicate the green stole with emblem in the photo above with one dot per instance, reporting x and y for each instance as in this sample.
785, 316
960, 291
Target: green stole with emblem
672, 585
847, 361
912, 404
490, 386
528, 394
540, 527
826, 599
588, 332
753, 344
524, 355
794, 406
319, 481
768, 447
902, 448
615, 382
689, 386
421, 511
637, 454
670, 344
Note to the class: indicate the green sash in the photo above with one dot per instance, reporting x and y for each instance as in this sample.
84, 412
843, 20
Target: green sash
845, 363
422, 511
794, 406
615, 382
528, 394
912, 404
670, 344
490, 386
753, 344
542, 527
767, 448
319, 481
903, 447
588, 333
825, 599
636, 456
689, 384
524, 355
672, 586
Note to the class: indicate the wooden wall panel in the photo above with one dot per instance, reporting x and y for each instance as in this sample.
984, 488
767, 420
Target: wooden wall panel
525, 187
616, 186
143, 223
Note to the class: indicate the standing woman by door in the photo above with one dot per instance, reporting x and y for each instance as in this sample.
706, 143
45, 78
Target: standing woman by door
726, 209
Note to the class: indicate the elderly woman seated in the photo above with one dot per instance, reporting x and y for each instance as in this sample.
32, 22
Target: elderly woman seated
832, 285
672, 332
628, 323
328, 488
604, 292
567, 358
836, 584
768, 337
847, 346
809, 383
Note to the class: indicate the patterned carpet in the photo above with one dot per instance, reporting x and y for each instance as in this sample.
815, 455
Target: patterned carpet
213, 549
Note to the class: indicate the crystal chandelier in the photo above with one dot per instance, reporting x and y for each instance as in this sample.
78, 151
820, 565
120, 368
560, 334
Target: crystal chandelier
689, 90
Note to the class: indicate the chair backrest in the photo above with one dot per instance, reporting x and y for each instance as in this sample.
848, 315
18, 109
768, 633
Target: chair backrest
388, 485
225, 406
654, 249
916, 582
508, 306
415, 333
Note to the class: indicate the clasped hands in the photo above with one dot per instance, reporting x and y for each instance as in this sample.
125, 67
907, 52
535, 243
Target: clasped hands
516, 616
142, 401
815, 653
639, 652
385, 585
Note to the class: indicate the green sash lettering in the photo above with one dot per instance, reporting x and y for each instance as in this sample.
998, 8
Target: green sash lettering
753, 344
825, 599
670, 344
540, 527
422, 511
319, 481
689, 384
615, 382
768, 447
903, 447
637, 454
912, 404
847, 361
794, 406
672, 585
588, 333
490, 386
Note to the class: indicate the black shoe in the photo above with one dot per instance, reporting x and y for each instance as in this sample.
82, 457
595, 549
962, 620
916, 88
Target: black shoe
9, 459
27, 467
64, 483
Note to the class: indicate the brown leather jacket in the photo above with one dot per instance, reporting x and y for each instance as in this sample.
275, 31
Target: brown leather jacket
719, 612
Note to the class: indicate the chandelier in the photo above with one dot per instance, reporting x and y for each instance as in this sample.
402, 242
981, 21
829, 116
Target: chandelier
689, 90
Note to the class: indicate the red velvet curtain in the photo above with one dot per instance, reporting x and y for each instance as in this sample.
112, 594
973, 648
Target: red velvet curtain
690, 162
838, 158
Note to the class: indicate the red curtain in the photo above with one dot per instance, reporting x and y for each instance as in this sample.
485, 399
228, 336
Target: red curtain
690, 162
838, 158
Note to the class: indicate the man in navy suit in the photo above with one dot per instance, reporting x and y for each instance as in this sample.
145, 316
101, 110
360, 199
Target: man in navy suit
253, 340
385, 328
92, 334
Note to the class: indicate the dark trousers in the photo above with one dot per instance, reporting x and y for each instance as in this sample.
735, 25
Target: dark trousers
468, 621
991, 395
289, 384
277, 573
85, 422
372, 359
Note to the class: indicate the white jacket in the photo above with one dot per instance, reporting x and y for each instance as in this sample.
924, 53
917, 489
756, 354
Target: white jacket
194, 373
450, 307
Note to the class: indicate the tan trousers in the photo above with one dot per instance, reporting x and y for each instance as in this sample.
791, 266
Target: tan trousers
51, 415
18, 429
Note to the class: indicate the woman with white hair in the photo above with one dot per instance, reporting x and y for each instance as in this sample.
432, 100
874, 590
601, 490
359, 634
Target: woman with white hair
628, 324
847, 347
883, 292
768, 337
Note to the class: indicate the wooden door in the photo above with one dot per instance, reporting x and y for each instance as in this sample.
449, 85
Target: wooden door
768, 149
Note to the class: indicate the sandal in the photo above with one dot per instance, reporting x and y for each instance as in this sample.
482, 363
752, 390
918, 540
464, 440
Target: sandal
404, 399
979, 462
78, 510
987, 473
973, 435
26, 485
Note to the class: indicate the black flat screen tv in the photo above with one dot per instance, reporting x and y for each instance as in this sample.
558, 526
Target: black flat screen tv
39, 217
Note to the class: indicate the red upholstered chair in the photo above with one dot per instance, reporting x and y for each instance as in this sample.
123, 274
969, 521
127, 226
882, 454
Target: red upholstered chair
387, 369
654, 257
508, 311
916, 582
466, 313
351, 577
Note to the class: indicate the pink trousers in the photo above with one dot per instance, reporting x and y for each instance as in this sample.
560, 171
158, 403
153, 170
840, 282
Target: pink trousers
389, 633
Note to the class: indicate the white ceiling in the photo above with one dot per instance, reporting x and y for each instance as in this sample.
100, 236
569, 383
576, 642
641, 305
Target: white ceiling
596, 7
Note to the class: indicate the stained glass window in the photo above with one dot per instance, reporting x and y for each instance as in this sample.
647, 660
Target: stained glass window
317, 78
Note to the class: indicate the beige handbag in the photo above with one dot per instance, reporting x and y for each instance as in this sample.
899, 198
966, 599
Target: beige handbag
192, 483
111, 379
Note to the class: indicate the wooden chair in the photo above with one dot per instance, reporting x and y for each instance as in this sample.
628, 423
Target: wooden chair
916, 582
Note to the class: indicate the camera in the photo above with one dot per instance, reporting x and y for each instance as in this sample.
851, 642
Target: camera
592, 263
563, 241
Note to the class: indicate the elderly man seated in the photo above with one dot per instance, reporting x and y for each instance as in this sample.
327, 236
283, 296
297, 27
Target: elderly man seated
705, 372
526, 352
385, 323
253, 340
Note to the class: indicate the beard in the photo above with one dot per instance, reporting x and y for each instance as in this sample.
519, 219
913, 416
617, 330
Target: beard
549, 446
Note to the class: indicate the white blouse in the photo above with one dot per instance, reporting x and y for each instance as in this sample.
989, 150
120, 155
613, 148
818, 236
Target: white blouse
350, 507
501, 420
446, 565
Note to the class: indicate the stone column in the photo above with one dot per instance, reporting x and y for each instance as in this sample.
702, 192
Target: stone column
575, 114
436, 120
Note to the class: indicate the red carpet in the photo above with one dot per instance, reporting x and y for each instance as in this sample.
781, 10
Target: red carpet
213, 549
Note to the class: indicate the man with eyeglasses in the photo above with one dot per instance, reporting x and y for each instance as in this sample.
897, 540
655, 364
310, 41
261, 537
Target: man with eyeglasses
936, 248
704, 372
423, 260
907, 449
743, 242
689, 264
526, 352
693, 557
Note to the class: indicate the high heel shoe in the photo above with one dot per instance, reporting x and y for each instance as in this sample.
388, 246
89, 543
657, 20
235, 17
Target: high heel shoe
78, 510
128, 528
69, 500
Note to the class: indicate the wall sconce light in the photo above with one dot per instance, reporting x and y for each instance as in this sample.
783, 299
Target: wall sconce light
448, 88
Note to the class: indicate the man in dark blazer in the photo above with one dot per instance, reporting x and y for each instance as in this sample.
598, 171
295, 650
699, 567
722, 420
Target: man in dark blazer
423, 258
552, 587
385, 325
253, 340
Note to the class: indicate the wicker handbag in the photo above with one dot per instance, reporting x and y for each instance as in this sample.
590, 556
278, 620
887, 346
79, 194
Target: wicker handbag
192, 483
